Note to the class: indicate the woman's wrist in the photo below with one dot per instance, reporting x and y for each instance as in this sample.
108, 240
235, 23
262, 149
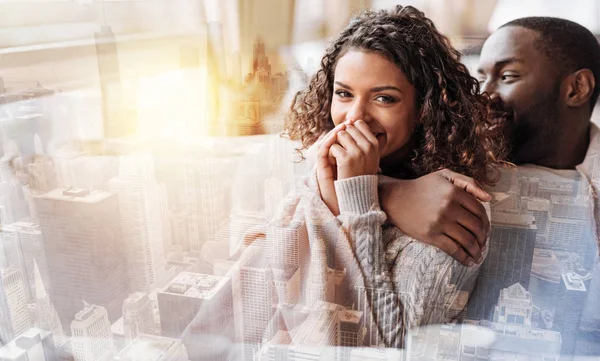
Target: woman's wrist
357, 195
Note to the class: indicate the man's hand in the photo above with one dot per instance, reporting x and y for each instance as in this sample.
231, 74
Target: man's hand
441, 209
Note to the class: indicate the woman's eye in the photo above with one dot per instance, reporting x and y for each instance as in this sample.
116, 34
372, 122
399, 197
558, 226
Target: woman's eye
343, 94
385, 99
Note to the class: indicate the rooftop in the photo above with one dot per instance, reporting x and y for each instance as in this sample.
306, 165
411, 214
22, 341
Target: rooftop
195, 285
513, 219
76, 195
12, 351
148, 348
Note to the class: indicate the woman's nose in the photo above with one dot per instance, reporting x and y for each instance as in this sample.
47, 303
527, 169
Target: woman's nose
356, 112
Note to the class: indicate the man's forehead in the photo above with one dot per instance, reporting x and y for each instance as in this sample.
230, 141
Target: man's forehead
511, 42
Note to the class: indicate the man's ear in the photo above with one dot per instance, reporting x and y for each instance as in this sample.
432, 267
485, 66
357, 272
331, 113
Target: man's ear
580, 86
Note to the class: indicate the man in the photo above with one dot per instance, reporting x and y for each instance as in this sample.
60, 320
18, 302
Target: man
543, 78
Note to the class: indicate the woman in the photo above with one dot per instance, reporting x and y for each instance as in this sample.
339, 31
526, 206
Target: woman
392, 98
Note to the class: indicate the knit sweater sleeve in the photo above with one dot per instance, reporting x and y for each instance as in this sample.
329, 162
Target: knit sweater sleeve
416, 283
362, 220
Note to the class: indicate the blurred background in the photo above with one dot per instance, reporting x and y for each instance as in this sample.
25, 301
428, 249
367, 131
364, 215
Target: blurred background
138, 143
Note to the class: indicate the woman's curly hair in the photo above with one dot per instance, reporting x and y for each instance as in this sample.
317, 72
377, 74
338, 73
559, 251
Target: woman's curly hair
453, 126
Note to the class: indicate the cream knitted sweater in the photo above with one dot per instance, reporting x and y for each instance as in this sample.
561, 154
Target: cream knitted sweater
396, 281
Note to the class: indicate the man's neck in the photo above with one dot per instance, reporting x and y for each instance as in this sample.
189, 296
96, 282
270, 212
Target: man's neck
569, 151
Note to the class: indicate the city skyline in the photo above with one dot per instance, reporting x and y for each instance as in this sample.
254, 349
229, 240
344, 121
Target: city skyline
137, 245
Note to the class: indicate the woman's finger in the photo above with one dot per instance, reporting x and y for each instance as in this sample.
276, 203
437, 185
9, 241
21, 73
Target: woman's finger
367, 132
361, 141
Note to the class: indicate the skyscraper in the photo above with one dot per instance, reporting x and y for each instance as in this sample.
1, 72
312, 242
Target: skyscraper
138, 316
92, 339
23, 246
319, 284
352, 332
14, 289
45, 316
205, 198
515, 306
82, 228
180, 300
216, 71
509, 261
115, 124
569, 308
142, 225
289, 245
568, 221
256, 280
196, 308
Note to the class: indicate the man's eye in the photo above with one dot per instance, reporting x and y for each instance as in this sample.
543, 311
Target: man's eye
509, 76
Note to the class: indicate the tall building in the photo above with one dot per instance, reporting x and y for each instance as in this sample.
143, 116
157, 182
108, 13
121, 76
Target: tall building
528, 187
178, 219
256, 280
14, 290
249, 121
45, 315
570, 302
32, 345
6, 329
286, 280
320, 330
216, 71
82, 228
115, 124
180, 300
352, 332
289, 245
12, 197
138, 316
206, 199
569, 219
192, 307
155, 348
540, 209
23, 247
92, 339
320, 280
515, 306
510, 256
142, 227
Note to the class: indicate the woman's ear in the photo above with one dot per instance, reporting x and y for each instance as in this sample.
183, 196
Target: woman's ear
580, 87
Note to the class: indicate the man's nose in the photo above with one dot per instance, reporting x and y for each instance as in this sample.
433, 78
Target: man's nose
488, 87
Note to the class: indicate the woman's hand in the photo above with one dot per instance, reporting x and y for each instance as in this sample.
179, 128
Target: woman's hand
356, 151
327, 169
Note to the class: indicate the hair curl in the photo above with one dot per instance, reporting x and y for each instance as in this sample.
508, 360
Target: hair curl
453, 126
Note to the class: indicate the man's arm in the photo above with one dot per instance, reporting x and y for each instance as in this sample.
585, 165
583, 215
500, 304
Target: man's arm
441, 209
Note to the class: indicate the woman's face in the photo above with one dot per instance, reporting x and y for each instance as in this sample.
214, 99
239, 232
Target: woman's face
367, 86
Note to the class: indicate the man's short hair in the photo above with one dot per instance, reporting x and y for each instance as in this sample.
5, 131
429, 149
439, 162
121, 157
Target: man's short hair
570, 45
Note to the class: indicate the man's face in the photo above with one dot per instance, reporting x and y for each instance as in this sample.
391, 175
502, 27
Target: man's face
524, 87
